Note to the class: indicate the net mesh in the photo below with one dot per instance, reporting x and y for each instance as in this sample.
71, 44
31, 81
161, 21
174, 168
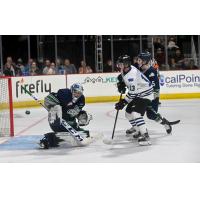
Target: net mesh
4, 108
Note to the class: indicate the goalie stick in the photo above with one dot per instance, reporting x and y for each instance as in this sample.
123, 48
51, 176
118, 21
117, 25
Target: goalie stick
78, 138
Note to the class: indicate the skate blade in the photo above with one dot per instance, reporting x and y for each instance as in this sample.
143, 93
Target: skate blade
145, 143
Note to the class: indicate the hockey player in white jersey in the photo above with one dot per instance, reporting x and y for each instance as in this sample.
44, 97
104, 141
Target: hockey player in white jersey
144, 65
138, 98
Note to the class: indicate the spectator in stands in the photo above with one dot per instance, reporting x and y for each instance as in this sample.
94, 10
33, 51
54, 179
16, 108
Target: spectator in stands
160, 58
34, 69
172, 43
171, 48
158, 44
40, 65
108, 66
30, 61
189, 64
59, 67
9, 60
52, 69
20, 68
9, 69
27, 67
177, 60
47, 63
192, 65
84, 69
69, 68
47, 66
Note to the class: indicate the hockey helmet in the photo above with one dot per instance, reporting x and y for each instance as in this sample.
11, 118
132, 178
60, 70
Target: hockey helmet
124, 61
145, 56
77, 89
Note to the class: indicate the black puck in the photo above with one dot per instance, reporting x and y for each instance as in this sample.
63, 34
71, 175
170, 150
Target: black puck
27, 112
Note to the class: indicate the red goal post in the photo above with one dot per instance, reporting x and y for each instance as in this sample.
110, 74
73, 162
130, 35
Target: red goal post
6, 107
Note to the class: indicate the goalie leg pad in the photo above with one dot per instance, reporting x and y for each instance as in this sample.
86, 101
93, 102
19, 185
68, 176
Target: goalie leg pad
54, 118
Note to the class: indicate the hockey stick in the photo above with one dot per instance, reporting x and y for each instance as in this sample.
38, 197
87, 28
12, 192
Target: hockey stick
116, 117
108, 141
78, 138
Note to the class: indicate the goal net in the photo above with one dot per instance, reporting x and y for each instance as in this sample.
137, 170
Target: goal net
6, 107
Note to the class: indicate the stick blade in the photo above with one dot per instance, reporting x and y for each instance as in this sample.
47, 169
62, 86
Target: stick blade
107, 141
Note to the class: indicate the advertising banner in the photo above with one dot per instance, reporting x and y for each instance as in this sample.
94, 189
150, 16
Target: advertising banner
96, 85
180, 82
40, 86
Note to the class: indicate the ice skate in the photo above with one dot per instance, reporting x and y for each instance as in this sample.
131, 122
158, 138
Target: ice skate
130, 131
136, 135
144, 140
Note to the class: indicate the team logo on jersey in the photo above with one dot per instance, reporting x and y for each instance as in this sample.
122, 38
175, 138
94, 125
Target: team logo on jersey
151, 75
70, 104
130, 79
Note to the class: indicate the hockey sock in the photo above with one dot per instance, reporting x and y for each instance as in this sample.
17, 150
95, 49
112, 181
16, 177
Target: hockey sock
141, 125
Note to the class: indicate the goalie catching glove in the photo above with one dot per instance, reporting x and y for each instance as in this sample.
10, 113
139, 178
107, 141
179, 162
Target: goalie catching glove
84, 118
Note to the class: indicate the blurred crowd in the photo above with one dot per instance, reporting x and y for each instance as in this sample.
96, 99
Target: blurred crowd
175, 61
49, 67
58, 67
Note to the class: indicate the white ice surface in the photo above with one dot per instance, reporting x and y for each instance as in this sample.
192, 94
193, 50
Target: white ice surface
182, 146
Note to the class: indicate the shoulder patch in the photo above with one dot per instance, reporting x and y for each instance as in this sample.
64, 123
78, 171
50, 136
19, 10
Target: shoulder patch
130, 79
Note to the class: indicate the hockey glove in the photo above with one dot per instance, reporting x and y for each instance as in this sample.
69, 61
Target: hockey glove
84, 118
121, 104
121, 87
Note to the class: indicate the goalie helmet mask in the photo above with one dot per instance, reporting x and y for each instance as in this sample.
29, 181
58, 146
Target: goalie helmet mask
123, 62
77, 91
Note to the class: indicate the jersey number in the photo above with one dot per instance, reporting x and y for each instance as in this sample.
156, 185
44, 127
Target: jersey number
132, 87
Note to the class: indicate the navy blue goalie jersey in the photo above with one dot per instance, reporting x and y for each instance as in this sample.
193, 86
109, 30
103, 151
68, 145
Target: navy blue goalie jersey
65, 98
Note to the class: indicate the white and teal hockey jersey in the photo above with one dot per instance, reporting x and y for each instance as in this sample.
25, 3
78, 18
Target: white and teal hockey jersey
138, 85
